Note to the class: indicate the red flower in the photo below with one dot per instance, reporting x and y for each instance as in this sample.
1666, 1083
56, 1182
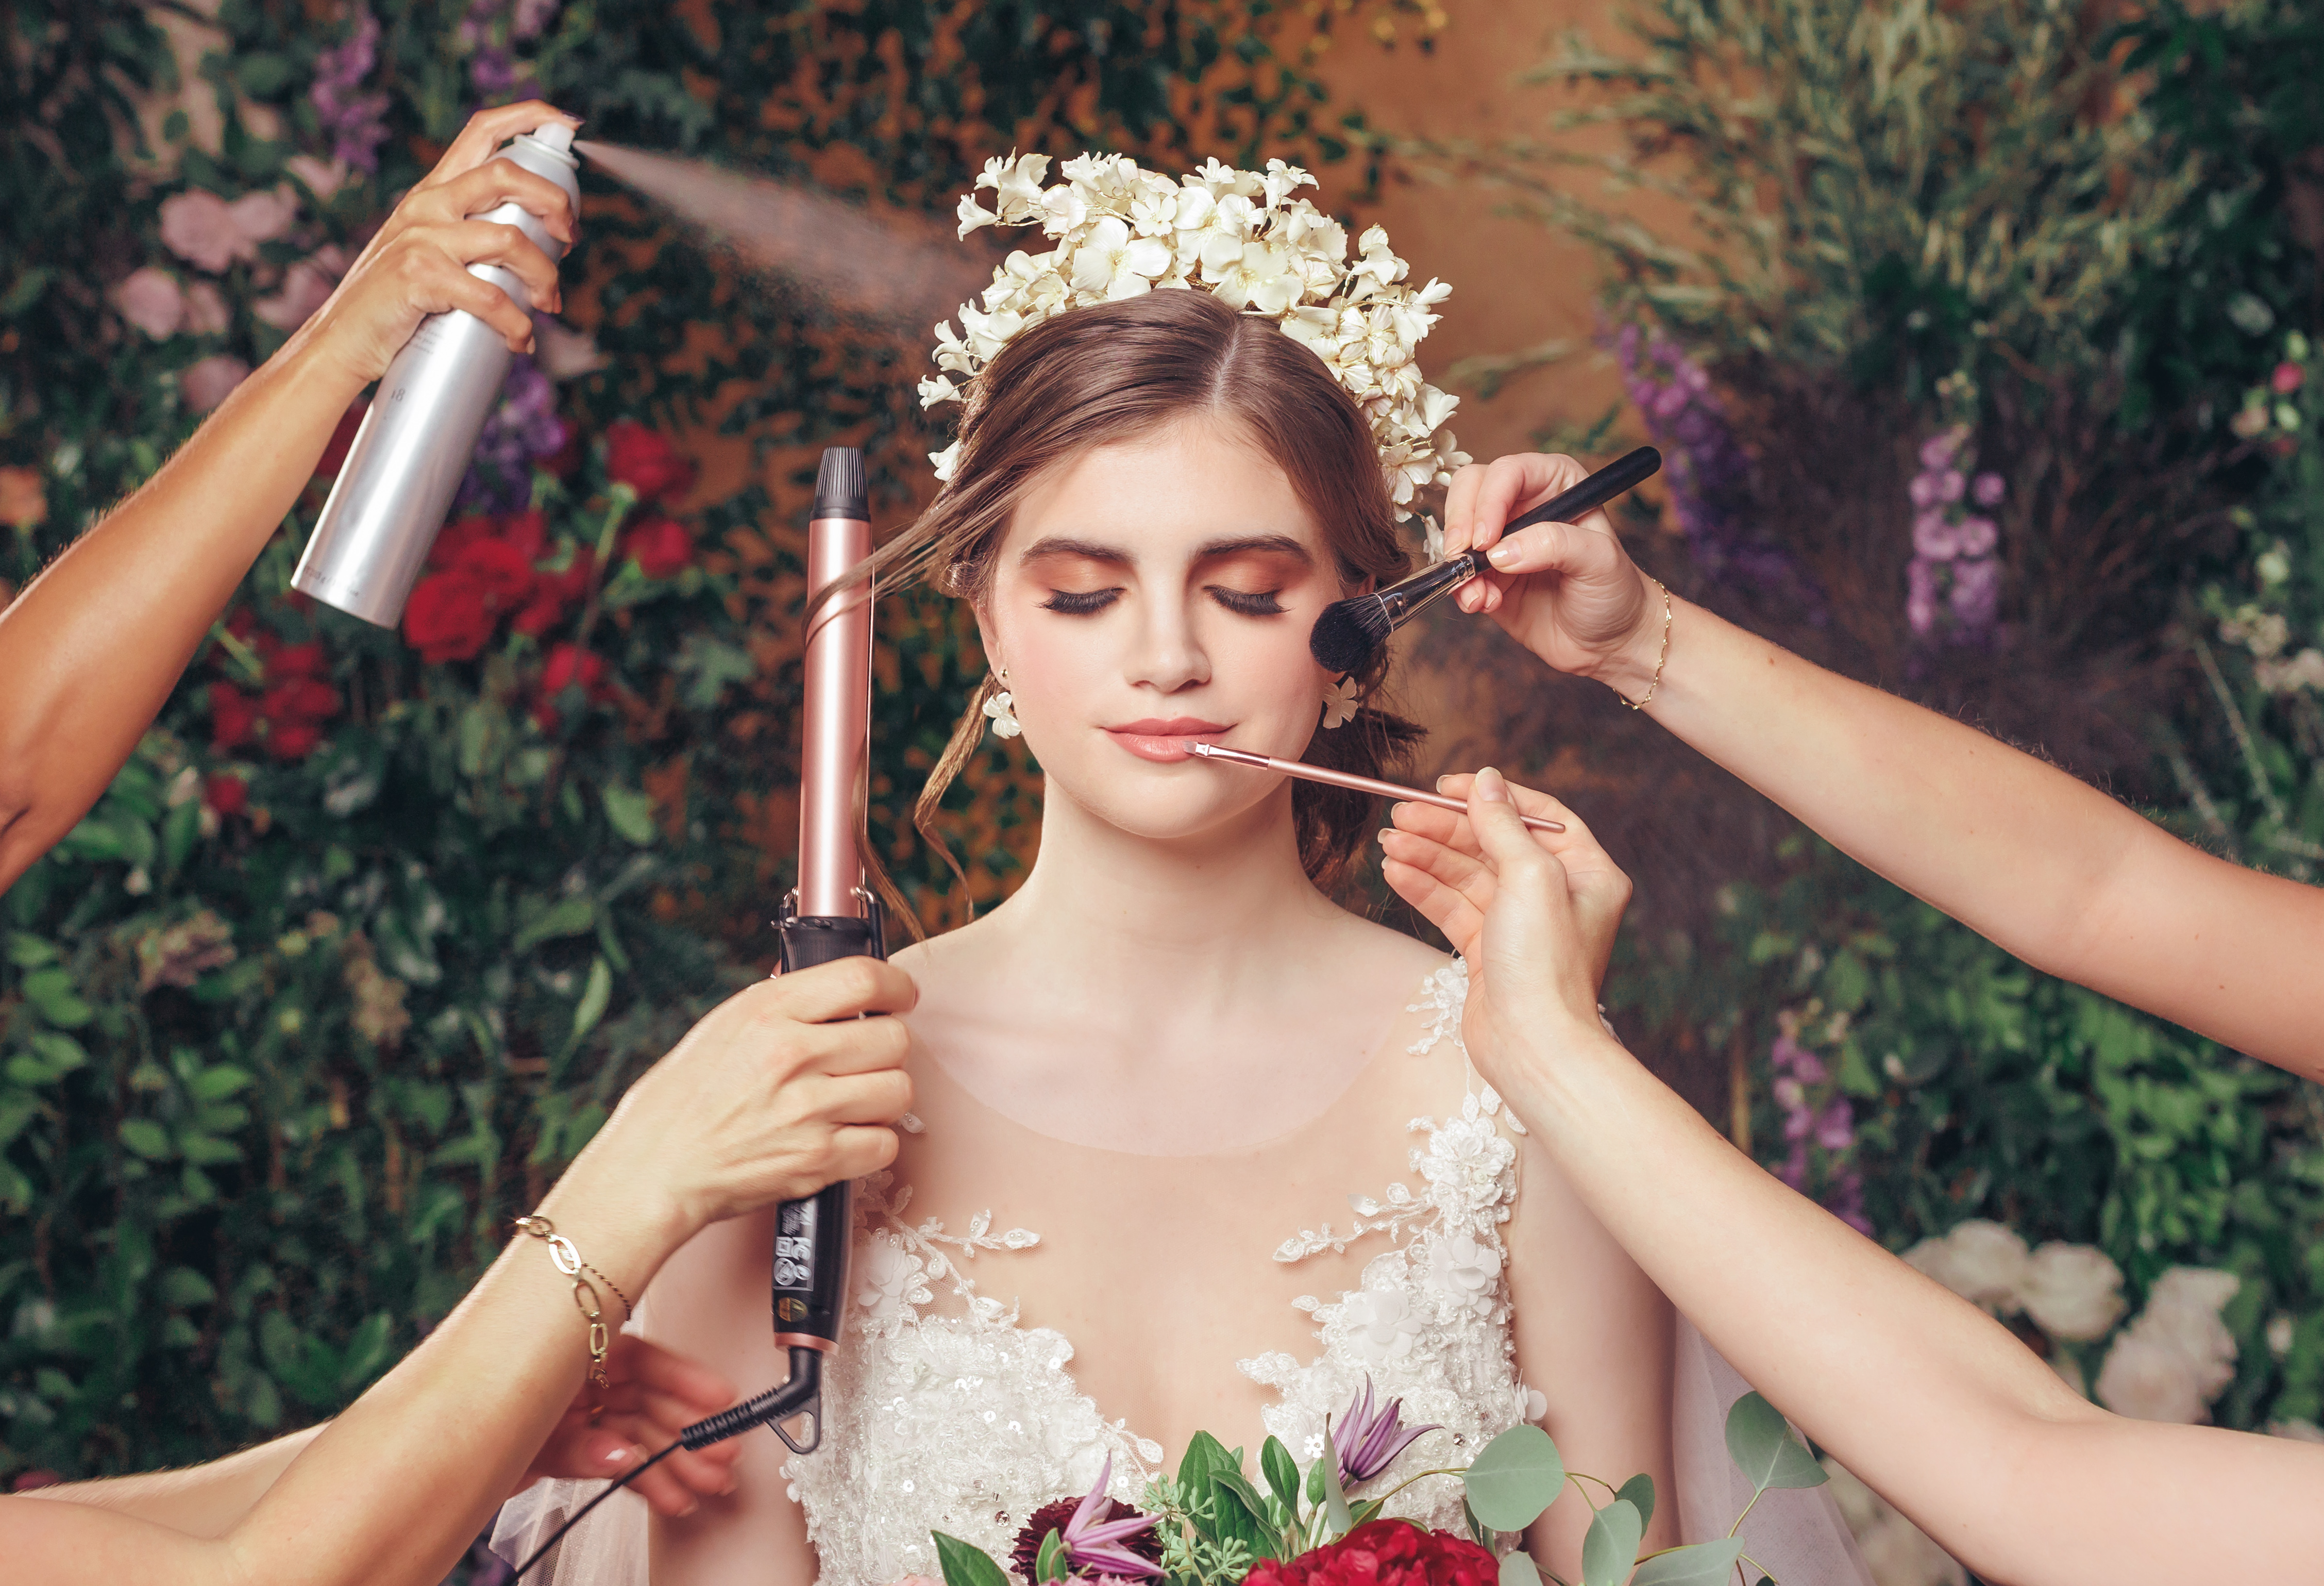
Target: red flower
2286, 378
646, 461
343, 439
456, 537
446, 619
528, 531
568, 666
226, 793
234, 718
501, 570
661, 546
1384, 1553
555, 594
293, 660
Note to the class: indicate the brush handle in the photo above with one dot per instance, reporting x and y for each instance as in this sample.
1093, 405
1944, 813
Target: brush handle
1350, 781
1628, 470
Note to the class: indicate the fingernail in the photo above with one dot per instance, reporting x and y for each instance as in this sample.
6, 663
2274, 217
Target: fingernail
1491, 787
1503, 555
1441, 782
618, 1456
1382, 835
693, 1506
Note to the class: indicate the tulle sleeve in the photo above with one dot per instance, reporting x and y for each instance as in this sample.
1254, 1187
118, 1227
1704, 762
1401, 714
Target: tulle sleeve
607, 1549
1797, 1534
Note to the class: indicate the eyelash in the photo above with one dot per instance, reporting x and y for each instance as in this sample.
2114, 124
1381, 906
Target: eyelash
1241, 602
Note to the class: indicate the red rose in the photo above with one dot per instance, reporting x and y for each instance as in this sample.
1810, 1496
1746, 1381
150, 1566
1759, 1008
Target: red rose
343, 439
456, 537
1384, 1553
501, 570
295, 739
528, 531
555, 594
295, 660
226, 793
446, 618
662, 546
234, 718
567, 666
646, 461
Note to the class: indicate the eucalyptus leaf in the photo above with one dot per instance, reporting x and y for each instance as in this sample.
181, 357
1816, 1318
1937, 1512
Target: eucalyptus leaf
1639, 1492
1517, 1569
1707, 1563
1517, 1476
1610, 1546
964, 1564
1763, 1448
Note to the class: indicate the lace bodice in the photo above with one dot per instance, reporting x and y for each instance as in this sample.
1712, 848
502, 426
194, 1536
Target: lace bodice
945, 1413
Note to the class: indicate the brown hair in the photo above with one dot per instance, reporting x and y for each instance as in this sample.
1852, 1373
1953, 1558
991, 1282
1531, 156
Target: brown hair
1113, 372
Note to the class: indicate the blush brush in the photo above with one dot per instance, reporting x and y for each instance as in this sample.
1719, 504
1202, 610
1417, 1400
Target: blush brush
1350, 632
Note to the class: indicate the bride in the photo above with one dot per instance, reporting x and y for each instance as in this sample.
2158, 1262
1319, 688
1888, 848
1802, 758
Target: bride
1194, 1147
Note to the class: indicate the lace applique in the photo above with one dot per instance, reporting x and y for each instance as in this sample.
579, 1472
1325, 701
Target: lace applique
1429, 1324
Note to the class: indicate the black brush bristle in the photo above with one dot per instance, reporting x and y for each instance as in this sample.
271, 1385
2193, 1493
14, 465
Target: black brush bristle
1348, 633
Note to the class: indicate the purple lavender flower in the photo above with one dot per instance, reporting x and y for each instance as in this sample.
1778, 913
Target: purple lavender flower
1831, 1127
1977, 537
492, 71
1975, 592
354, 121
1921, 595
1091, 1543
1939, 450
1953, 585
1367, 1440
520, 431
531, 17
1936, 537
1988, 489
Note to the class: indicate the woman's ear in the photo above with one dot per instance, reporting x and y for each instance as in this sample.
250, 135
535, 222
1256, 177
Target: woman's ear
992, 657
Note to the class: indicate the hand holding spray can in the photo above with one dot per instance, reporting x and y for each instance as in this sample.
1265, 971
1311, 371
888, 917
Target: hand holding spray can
416, 442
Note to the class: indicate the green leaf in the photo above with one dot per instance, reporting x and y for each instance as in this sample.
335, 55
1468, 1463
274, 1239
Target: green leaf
262, 75
1517, 1569
1337, 1521
1243, 1513
569, 917
593, 998
1610, 1546
1517, 1476
1764, 1449
366, 1352
1707, 1563
183, 1286
208, 1150
966, 1565
148, 1139
24, 293
630, 813
180, 829
51, 994
59, 1054
1275, 1462
1051, 1564
1639, 1492
94, 840
216, 1085
29, 952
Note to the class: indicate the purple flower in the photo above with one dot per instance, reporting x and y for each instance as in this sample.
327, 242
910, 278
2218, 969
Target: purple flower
1979, 536
1835, 1127
1924, 491
520, 431
1921, 595
1367, 1440
1949, 484
353, 121
1937, 452
531, 16
1091, 1543
493, 70
1976, 594
1936, 537
1988, 489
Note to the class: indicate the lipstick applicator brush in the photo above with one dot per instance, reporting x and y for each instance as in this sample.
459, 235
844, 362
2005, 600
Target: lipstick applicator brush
1347, 779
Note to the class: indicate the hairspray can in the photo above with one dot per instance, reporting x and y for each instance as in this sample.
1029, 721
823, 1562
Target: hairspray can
415, 443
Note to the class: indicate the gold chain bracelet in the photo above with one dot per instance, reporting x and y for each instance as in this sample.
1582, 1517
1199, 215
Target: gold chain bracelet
1657, 680
568, 1261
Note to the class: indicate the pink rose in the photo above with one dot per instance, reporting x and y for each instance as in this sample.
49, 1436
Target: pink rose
198, 226
205, 311
305, 289
212, 381
322, 178
263, 216
150, 299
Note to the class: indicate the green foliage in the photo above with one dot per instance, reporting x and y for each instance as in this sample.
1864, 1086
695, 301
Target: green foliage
278, 1059
1764, 1449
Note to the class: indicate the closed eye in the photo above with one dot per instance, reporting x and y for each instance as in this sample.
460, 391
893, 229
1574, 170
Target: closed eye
1080, 602
1247, 602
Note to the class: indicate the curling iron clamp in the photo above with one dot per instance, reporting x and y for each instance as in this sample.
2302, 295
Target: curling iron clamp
831, 915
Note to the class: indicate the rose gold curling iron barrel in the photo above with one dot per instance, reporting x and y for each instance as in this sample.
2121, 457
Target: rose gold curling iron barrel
832, 915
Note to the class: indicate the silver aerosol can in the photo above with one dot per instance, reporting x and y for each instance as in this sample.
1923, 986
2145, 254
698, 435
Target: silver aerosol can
416, 442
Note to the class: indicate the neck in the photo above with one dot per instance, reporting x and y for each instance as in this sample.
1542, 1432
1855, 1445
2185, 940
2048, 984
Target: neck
1106, 909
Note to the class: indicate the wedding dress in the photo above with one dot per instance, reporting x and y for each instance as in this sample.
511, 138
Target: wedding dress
951, 1408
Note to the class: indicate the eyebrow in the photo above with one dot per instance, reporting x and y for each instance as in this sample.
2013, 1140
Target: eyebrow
1059, 545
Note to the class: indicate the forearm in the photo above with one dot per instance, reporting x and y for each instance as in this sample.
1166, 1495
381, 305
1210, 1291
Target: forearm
1922, 1395
205, 1500
91, 648
2039, 862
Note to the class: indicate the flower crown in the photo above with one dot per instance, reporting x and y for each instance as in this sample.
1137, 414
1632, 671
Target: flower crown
1121, 230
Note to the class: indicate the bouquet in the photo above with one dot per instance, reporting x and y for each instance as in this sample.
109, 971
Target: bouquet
1210, 1525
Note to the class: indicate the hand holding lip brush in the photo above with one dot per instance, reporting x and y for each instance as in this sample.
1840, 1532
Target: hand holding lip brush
1350, 632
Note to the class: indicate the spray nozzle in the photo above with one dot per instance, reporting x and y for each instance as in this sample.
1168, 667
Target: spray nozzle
556, 136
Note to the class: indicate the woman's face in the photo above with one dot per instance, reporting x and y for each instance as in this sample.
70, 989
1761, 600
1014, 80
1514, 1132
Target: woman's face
1155, 592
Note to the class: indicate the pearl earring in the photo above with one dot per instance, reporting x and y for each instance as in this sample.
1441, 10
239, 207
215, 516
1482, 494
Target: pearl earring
1001, 709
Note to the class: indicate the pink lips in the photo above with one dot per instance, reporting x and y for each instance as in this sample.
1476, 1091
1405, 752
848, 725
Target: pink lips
1162, 741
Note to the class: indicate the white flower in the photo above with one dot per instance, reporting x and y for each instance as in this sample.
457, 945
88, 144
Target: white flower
1016, 184
892, 1280
1341, 700
1062, 209
1383, 1322
1464, 1273
1433, 536
945, 461
1530, 1404
1114, 264
2073, 1292
1253, 275
1983, 1262
2297, 1431
938, 389
2148, 1380
972, 215
1896, 1553
2279, 1326
1001, 709
2177, 1357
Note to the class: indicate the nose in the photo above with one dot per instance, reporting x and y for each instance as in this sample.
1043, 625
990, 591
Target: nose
1168, 656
